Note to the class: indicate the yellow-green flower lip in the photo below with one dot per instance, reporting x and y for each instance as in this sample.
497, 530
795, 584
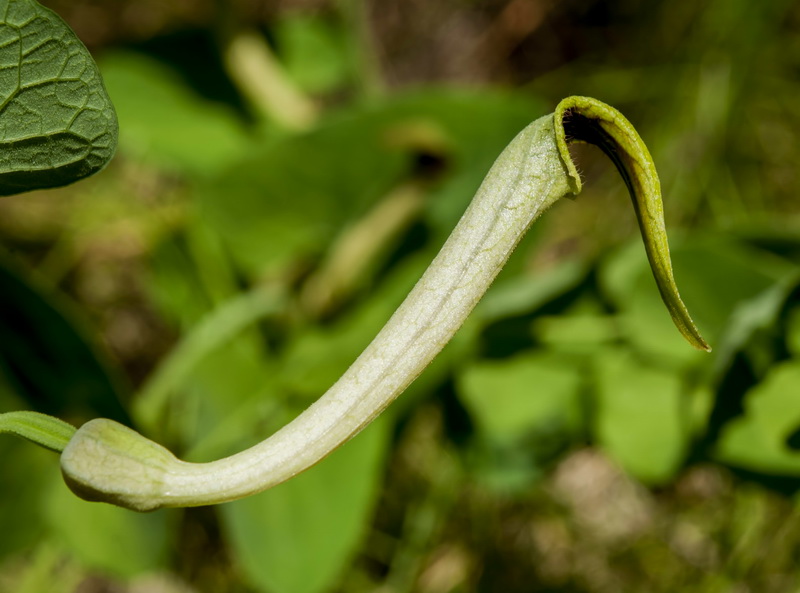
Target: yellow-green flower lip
583, 119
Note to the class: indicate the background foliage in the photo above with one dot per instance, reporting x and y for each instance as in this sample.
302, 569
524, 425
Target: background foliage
286, 171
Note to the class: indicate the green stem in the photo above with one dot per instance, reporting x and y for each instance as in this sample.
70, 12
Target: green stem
51, 433
108, 462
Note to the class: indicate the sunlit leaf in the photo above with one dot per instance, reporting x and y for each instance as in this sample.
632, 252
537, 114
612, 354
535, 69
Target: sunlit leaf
163, 121
639, 418
758, 440
531, 392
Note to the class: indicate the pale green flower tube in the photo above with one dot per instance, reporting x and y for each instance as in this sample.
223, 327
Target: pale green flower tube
108, 462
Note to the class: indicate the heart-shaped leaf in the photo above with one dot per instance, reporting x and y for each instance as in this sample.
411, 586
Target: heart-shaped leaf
57, 124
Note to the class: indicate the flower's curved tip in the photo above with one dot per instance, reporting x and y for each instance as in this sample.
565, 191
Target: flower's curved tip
584, 119
690, 332
698, 342
562, 142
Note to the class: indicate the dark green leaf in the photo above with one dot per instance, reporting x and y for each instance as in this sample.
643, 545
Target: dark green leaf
47, 357
57, 124
26, 474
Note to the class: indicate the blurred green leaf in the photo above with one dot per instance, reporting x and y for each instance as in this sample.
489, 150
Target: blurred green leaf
193, 400
316, 355
534, 391
578, 332
793, 331
26, 474
163, 121
312, 51
58, 124
718, 274
107, 538
757, 440
752, 327
714, 277
299, 536
174, 282
226, 378
220, 382
476, 127
290, 197
526, 410
640, 416
211, 335
524, 293
46, 356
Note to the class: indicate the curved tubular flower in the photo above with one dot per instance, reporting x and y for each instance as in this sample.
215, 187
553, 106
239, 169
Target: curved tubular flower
108, 462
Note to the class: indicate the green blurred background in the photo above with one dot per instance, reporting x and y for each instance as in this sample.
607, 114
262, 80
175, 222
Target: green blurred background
286, 171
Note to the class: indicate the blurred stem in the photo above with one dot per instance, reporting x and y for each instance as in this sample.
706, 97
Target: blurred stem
213, 265
259, 75
362, 46
360, 247
108, 462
